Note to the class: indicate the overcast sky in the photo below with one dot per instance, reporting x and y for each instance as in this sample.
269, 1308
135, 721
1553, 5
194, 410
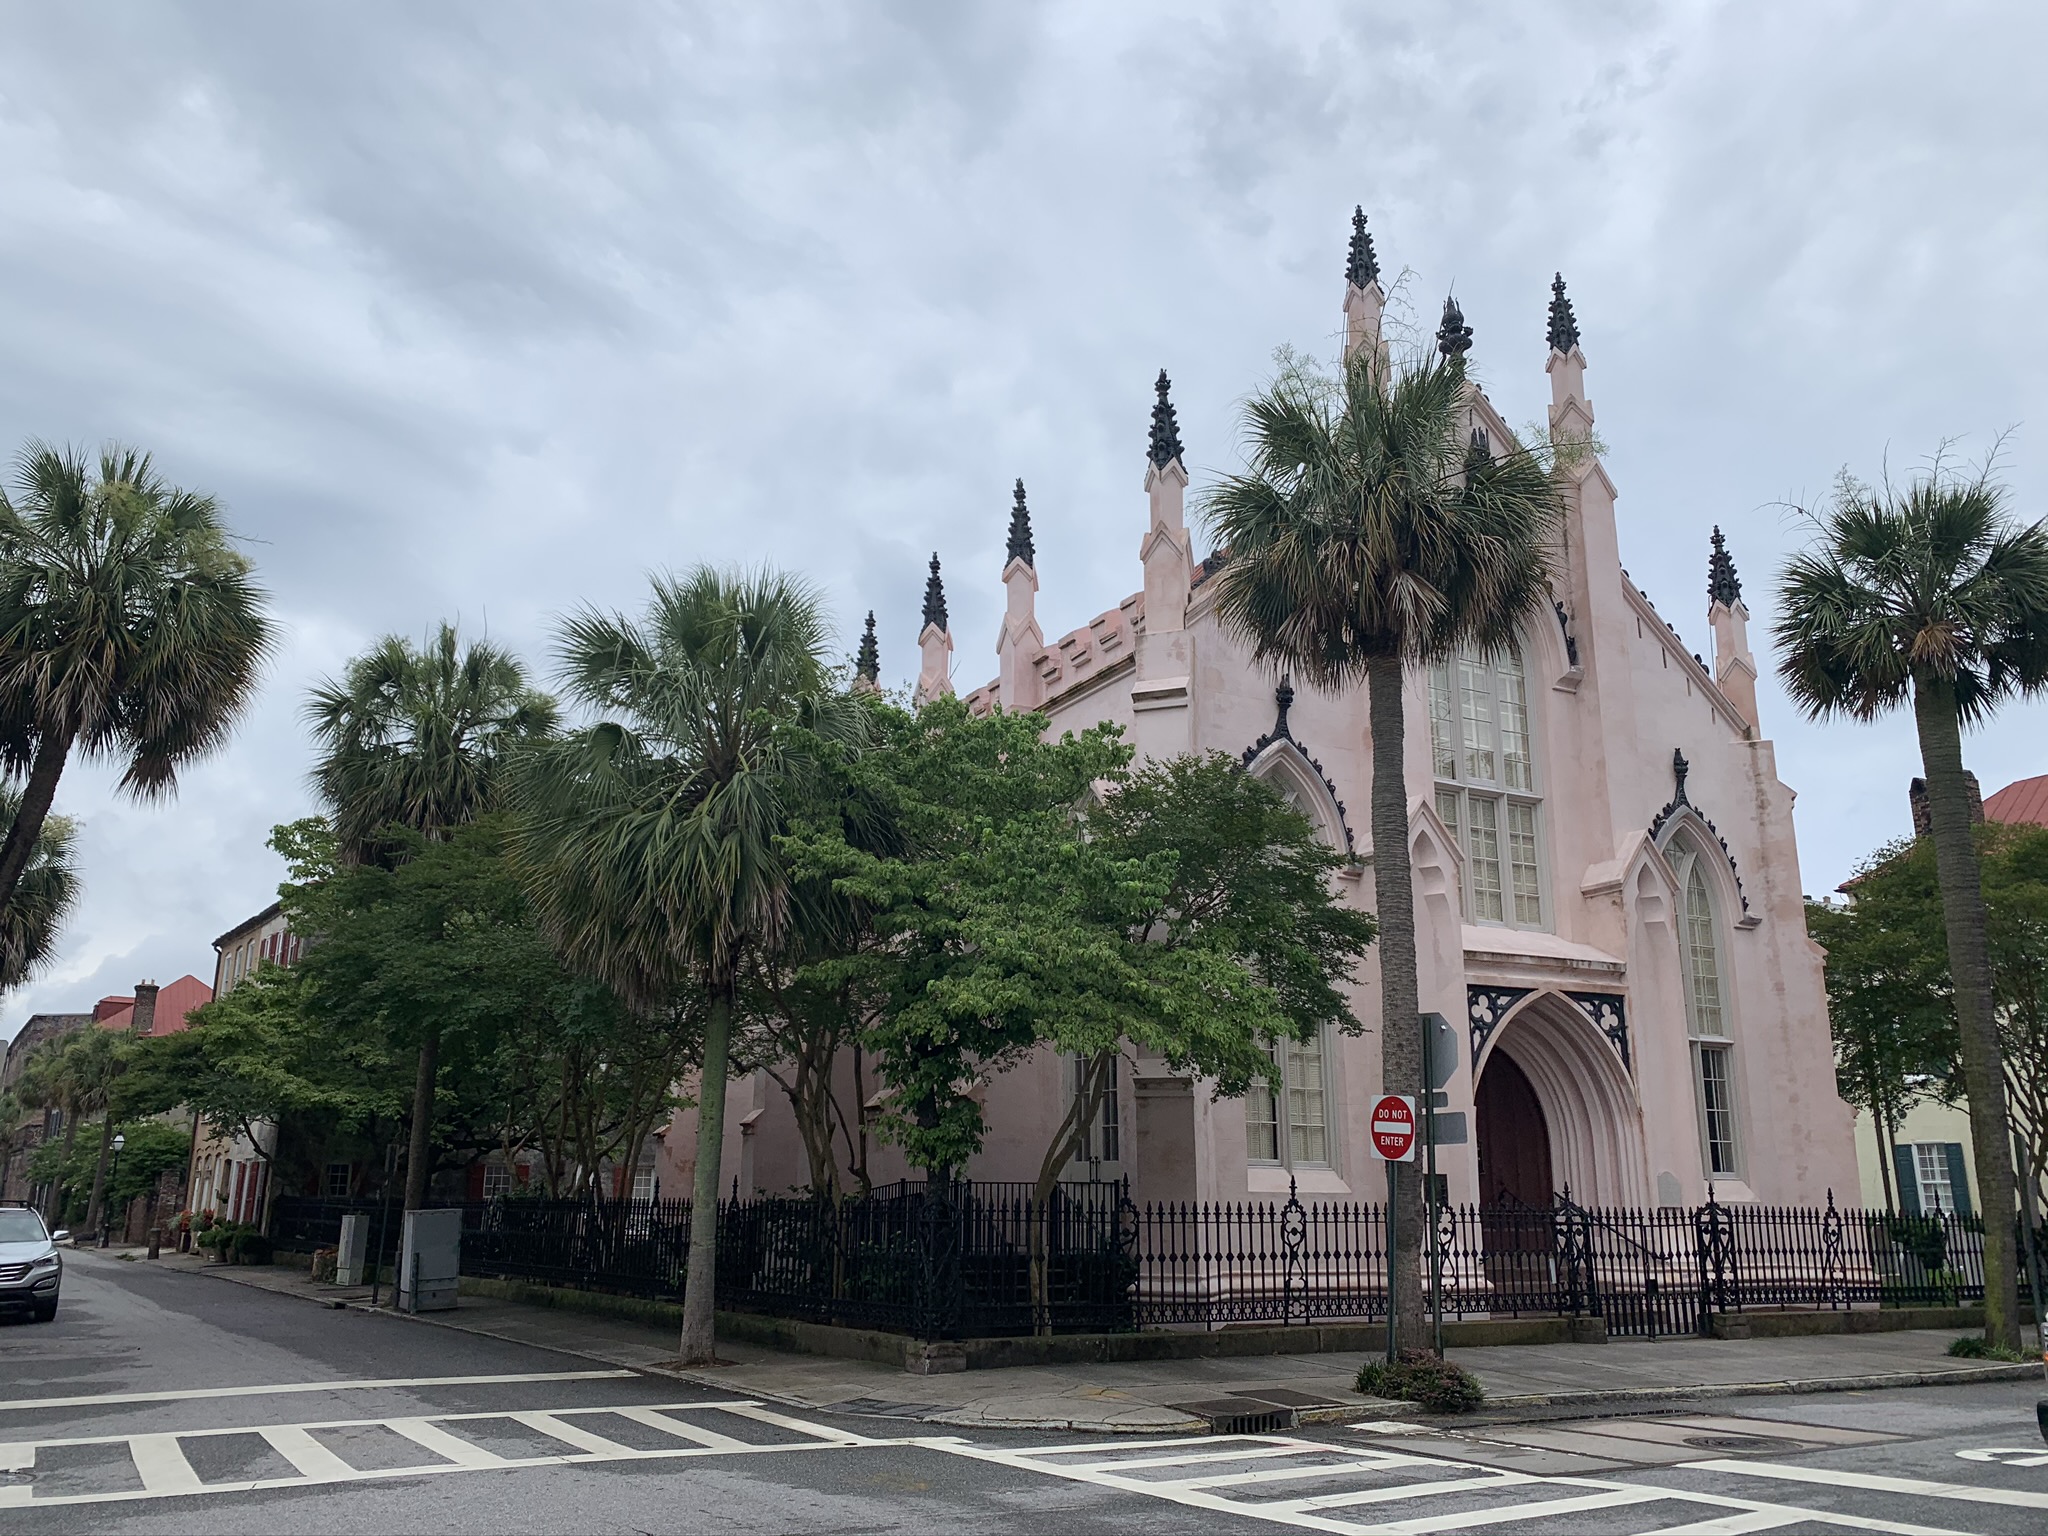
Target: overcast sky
478, 311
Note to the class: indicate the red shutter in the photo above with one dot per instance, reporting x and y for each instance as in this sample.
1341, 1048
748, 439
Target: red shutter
476, 1181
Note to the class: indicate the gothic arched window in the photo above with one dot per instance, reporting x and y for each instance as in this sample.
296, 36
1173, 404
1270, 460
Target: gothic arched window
1706, 1016
1484, 756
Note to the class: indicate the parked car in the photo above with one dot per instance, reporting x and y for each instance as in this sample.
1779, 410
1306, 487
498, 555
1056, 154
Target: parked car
31, 1271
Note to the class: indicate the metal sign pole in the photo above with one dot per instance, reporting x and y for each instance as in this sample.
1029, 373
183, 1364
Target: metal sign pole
1393, 1261
1429, 1233
2019, 1147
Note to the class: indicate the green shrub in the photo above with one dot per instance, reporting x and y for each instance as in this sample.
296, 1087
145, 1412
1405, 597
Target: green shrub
1973, 1347
1425, 1378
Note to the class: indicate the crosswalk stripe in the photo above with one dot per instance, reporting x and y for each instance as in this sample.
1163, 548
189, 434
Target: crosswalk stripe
1256, 1453
432, 1437
162, 1464
1874, 1482
1405, 1491
571, 1434
1542, 1509
1345, 1468
309, 1458
782, 1421
694, 1433
194, 1394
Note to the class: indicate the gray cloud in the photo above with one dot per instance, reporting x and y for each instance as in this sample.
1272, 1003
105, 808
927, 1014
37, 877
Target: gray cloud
483, 310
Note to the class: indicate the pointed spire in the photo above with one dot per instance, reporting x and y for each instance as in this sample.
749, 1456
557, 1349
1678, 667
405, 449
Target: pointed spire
867, 661
1564, 325
935, 596
1362, 268
1479, 451
1453, 336
1020, 530
1164, 447
1723, 585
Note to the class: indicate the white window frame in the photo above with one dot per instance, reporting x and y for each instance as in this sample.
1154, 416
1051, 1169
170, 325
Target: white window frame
1690, 864
1101, 1139
1276, 1092
497, 1178
1933, 1155
1457, 789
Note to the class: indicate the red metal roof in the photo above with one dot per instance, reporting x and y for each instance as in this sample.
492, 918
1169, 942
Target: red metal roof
2024, 802
173, 1004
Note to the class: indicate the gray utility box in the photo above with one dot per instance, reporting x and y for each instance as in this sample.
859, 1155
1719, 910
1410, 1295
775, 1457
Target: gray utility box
429, 1260
350, 1255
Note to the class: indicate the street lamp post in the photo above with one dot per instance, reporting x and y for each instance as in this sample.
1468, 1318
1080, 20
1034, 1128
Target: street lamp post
113, 1173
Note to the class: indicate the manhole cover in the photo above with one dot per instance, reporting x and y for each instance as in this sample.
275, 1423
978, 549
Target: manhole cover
1742, 1443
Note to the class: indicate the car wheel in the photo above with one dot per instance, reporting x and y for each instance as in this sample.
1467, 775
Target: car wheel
46, 1312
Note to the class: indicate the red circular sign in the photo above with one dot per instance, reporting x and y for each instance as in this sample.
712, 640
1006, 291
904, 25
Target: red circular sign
1393, 1127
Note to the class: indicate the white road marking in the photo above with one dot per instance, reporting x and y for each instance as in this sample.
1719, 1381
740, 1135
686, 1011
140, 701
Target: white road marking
160, 1459
162, 1464
430, 1436
2007, 1455
309, 1458
570, 1434
194, 1394
1875, 1482
708, 1439
1327, 1512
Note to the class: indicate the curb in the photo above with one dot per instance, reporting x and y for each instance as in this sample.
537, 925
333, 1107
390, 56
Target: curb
1519, 1408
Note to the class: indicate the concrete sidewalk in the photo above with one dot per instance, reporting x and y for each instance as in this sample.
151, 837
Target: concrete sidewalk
1167, 1395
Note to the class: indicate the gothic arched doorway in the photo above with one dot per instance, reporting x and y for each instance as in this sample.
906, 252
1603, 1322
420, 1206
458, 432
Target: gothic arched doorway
1514, 1137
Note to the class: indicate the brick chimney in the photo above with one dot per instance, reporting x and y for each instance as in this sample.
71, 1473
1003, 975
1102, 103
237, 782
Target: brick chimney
1923, 821
144, 1020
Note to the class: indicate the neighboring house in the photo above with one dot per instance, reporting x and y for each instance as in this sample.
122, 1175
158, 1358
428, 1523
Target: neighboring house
1932, 1165
34, 1126
1606, 880
231, 1174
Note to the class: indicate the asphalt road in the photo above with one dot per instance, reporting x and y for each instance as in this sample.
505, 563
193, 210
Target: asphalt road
164, 1401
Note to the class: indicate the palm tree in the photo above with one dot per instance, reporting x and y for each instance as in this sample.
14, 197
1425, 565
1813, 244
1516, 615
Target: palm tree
1933, 594
30, 923
130, 630
1372, 532
648, 840
417, 740
47, 1081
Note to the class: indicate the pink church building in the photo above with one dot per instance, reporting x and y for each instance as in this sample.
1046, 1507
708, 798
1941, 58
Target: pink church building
1606, 880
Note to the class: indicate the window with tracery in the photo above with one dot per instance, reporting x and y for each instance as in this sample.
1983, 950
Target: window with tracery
1482, 748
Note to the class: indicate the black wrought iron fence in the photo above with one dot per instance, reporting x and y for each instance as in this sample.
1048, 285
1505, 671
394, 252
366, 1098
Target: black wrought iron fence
964, 1260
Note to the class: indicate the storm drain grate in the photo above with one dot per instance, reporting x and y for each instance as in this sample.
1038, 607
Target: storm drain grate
1239, 1415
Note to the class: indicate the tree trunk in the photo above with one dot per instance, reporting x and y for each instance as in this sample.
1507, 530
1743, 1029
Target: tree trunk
700, 1285
1969, 964
1880, 1128
37, 795
60, 1193
97, 1205
420, 1151
1400, 1009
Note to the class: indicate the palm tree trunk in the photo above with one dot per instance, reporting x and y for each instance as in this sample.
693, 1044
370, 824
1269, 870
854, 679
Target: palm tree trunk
419, 1153
37, 795
1400, 1008
98, 1202
700, 1284
60, 1187
1969, 964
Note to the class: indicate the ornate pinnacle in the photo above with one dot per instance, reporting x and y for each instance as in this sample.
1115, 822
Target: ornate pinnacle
1020, 530
1564, 325
1479, 450
1363, 267
1723, 585
1453, 336
935, 596
1165, 445
867, 661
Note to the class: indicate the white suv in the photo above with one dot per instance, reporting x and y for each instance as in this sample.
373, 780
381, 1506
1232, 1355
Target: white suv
30, 1269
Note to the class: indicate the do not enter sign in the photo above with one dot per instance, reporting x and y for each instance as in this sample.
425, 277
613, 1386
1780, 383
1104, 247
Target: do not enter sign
1394, 1133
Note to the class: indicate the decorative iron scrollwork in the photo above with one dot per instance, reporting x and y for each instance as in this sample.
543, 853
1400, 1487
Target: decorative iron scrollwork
1485, 1007
1294, 1258
1608, 1012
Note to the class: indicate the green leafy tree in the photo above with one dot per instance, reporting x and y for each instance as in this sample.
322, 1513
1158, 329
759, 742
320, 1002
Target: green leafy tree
1888, 998
131, 631
1933, 595
1372, 531
151, 1149
649, 839
413, 745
